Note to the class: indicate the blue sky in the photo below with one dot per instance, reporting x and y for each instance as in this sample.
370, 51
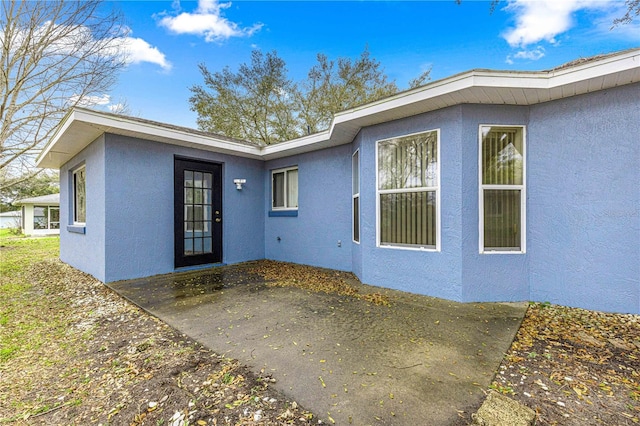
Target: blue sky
167, 40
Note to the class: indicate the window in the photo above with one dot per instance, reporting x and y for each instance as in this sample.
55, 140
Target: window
45, 217
54, 218
79, 196
408, 191
355, 191
197, 212
502, 189
284, 189
40, 217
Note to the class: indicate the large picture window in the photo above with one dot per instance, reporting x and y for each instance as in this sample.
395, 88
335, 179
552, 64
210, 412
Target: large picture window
284, 189
355, 195
79, 196
409, 191
502, 189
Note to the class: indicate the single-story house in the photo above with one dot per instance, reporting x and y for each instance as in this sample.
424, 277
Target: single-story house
10, 219
484, 186
40, 215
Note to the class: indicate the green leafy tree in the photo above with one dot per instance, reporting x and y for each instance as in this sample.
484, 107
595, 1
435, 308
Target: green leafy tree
54, 55
254, 104
31, 186
261, 104
334, 86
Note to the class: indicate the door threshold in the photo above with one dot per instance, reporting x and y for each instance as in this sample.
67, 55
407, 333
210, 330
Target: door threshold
198, 267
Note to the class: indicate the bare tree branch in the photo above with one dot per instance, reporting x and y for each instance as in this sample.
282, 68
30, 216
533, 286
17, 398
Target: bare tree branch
53, 56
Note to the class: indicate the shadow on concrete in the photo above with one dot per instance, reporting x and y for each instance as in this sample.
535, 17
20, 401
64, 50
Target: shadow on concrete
421, 360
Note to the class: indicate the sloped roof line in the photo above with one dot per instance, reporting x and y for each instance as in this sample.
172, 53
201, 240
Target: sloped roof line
50, 199
475, 86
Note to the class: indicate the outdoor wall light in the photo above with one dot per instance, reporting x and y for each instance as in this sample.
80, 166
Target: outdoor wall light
239, 183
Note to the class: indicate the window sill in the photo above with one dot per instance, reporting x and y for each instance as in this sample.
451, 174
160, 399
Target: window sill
77, 229
410, 248
283, 213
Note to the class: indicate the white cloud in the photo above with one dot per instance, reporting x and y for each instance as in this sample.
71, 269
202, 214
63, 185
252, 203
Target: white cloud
98, 102
530, 54
115, 107
207, 21
79, 41
138, 50
89, 101
538, 20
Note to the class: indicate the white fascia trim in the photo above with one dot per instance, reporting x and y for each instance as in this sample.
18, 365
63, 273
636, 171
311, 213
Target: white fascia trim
116, 124
123, 125
347, 123
293, 144
498, 79
67, 120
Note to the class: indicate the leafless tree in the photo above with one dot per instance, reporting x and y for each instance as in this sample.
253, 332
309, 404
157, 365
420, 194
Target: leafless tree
54, 55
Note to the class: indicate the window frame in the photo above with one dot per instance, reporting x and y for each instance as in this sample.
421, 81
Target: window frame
436, 189
355, 195
522, 188
51, 208
74, 173
285, 171
45, 216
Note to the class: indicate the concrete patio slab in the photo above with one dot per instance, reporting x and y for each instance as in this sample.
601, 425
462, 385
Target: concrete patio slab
421, 360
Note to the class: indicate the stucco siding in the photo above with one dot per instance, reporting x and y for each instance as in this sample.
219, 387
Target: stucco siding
356, 247
85, 251
320, 235
416, 271
139, 194
487, 277
582, 167
584, 201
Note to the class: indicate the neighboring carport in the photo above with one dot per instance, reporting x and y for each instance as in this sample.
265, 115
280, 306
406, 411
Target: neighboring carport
419, 360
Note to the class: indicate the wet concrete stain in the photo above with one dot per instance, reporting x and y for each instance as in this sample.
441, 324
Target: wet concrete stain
417, 361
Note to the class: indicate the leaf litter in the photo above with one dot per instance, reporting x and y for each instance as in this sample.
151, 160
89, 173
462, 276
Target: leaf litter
282, 274
574, 366
118, 365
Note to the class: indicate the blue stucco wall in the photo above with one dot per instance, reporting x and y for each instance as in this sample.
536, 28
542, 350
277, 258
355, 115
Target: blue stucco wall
85, 251
487, 277
139, 207
324, 212
584, 200
425, 272
356, 248
582, 214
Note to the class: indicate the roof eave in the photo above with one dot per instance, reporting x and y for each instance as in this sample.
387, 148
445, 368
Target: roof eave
81, 127
476, 86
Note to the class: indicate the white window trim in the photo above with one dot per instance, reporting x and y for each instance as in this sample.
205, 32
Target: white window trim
73, 187
353, 197
50, 221
437, 190
522, 188
286, 193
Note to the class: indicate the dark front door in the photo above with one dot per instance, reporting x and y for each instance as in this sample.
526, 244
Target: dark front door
197, 212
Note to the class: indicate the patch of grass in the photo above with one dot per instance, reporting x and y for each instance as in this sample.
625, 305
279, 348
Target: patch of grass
28, 318
18, 254
10, 233
503, 389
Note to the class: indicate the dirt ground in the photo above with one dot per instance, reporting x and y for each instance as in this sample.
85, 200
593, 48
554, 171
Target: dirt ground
575, 367
118, 365
127, 368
